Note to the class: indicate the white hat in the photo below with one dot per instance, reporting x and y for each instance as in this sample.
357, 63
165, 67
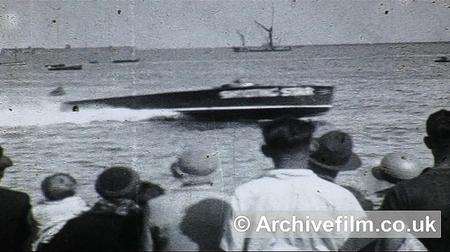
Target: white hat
398, 166
197, 161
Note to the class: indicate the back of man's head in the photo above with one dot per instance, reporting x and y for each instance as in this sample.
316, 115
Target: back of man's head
438, 128
287, 133
58, 186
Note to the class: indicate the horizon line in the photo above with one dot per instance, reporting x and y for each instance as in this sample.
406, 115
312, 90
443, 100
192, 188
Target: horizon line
220, 47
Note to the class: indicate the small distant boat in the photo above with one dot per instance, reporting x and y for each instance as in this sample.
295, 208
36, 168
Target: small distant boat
54, 65
64, 67
13, 63
232, 101
93, 61
126, 61
442, 59
59, 91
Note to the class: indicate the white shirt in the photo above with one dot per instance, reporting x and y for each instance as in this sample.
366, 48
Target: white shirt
288, 190
53, 215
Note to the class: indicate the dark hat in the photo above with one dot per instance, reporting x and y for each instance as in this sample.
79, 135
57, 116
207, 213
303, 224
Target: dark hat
334, 152
5, 162
118, 182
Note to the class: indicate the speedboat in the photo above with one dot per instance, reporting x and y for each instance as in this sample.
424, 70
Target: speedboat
227, 102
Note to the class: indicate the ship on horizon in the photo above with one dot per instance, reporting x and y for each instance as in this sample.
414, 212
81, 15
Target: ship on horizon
267, 47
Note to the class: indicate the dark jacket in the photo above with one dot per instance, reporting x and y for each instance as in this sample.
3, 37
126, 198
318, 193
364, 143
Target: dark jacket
366, 204
429, 191
16, 225
99, 229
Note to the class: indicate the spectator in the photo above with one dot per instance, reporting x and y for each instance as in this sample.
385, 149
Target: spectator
334, 154
290, 187
17, 227
394, 168
60, 205
431, 189
113, 224
192, 216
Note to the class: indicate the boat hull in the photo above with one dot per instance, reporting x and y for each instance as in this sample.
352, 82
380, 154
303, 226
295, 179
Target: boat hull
262, 102
258, 113
125, 61
63, 68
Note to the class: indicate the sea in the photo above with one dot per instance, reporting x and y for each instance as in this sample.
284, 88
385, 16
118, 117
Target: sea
383, 96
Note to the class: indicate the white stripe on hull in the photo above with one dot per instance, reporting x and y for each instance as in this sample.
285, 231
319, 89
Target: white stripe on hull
250, 107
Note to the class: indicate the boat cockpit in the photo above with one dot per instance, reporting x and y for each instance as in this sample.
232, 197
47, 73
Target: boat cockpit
238, 85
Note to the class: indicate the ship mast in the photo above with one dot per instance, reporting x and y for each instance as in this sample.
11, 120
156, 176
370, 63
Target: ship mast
269, 29
242, 38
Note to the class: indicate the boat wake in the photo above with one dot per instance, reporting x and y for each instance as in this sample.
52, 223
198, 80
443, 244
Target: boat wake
50, 113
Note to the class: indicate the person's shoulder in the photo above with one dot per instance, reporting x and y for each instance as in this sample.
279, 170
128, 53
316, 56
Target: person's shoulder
163, 199
418, 182
339, 189
216, 195
166, 204
88, 220
17, 196
180, 199
253, 185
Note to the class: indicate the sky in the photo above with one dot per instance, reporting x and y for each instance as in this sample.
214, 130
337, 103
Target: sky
216, 23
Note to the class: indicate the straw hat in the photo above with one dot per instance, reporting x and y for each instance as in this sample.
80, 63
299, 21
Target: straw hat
398, 166
196, 161
334, 152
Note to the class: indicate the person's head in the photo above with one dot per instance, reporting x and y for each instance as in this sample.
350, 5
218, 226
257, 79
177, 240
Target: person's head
5, 162
196, 164
286, 136
438, 136
396, 167
58, 186
117, 183
333, 153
